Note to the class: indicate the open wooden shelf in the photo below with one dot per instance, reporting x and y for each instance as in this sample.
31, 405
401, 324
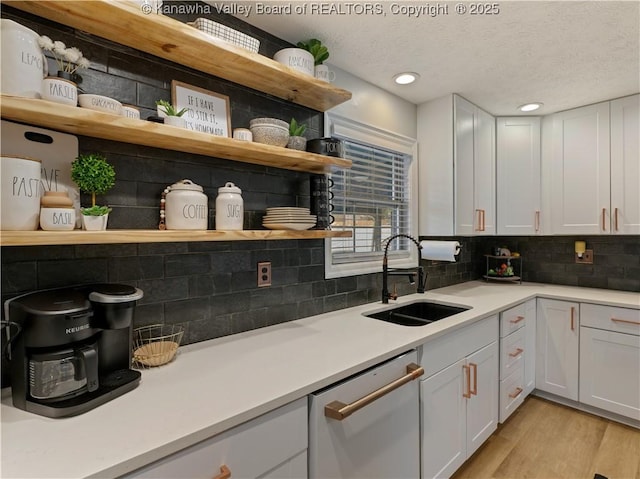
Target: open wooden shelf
82, 121
43, 238
164, 37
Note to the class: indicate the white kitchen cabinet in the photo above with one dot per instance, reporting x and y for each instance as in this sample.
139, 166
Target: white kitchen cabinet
458, 402
272, 446
475, 170
518, 173
513, 357
557, 343
625, 165
530, 347
580, 171
610, 359
456, 168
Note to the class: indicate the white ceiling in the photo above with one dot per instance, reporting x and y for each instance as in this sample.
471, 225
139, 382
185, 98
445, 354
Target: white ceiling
562, 53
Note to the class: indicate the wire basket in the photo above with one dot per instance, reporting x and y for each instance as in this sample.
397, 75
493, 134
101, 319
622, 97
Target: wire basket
156, 345
227, 34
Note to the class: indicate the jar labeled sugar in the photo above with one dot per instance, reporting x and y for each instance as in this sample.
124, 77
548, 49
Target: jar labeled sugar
229, 208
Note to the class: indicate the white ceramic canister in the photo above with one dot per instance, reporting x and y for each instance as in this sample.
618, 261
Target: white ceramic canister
20, 193
23, 64
57, 218
186, 207
229, 208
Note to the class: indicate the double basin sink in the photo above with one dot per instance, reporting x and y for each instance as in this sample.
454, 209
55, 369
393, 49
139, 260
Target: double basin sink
419, 313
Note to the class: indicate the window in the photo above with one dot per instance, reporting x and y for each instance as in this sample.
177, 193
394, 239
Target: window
374, 200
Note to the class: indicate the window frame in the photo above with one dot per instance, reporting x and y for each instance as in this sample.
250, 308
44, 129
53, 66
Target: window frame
338, 125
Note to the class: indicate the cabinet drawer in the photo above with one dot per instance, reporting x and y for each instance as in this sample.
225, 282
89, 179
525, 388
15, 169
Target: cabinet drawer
512, 352
512, 319
446, 350
248, 450
611, 318
511, 393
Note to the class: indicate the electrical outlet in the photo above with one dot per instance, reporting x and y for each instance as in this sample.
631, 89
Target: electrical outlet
264, 274
587, 257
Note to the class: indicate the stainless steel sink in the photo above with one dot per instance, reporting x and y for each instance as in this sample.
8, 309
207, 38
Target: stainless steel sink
420, 313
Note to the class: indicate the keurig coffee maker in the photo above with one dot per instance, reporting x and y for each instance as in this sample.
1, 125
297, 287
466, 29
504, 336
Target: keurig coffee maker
73, 351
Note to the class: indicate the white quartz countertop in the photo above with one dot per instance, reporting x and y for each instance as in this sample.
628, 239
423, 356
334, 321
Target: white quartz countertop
215, 385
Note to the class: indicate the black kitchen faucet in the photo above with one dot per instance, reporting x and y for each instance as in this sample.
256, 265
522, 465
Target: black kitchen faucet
410, 272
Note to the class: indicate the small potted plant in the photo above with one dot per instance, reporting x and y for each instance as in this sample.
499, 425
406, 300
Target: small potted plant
320, 55
93, 175
62, 88
170, 114
296, 140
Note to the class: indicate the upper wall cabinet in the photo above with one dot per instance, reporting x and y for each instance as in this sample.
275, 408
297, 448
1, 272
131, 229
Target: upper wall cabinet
456, 136
625, 165
593, 169
125, 23
518, 176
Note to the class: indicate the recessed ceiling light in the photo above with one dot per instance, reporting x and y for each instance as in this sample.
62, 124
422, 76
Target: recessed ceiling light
405, 78
530, 107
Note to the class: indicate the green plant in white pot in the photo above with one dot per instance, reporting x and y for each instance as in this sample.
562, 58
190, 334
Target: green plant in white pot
296, 140
320, 55
93, 174
172, 116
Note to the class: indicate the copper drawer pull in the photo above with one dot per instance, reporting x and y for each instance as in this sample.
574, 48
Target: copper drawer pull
467, 376
517, 320
225, 473
517, 352
573, 310
474, 391
515, 393
483, 218
615, 216
604, 227
339, 410
479, 228
626, 321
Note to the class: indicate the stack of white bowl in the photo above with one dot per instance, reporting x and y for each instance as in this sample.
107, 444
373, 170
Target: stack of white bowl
288, 218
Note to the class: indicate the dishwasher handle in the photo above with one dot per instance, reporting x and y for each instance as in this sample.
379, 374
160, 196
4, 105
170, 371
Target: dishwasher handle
339, 410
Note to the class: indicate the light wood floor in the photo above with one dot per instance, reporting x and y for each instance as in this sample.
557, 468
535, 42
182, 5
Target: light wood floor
545, 440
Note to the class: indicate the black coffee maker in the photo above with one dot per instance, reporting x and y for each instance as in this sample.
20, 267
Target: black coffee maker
73, 351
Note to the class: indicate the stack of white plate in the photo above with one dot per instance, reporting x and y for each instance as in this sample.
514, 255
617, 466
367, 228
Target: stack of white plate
288, 218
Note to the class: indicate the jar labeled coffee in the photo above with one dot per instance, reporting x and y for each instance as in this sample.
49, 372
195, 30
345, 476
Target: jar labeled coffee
185, 207
229, 208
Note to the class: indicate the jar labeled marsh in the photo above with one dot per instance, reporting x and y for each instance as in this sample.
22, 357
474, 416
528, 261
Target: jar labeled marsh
186, 206
229, 208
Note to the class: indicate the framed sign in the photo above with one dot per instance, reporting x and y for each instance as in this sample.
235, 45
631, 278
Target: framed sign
208, 111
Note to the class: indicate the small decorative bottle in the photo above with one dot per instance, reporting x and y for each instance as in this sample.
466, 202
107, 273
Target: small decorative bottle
229, 208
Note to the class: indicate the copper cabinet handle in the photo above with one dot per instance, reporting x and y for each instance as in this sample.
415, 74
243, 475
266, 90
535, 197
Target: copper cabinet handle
626, 321
515, 393
479, 228
339, 410
517, 352
474, 391
604, 227
467, 376
573, 310
615, 216
537, 221
517, 320
225, 473
483, 218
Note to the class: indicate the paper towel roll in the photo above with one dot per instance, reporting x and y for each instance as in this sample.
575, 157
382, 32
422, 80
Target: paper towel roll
440, 250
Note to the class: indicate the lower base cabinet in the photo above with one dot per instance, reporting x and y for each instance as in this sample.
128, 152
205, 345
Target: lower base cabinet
272, 446
458, 404
610, 359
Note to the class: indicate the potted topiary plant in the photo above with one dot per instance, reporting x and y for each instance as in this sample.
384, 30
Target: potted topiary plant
320, 54
296, 140
171, 115
93, 175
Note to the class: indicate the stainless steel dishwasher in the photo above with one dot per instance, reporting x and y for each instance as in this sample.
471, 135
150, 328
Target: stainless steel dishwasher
368, 425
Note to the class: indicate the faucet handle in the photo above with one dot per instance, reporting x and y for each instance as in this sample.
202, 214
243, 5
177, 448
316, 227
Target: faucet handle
394, 295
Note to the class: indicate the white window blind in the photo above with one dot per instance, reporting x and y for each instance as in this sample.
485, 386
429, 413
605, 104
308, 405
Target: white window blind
372, 201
